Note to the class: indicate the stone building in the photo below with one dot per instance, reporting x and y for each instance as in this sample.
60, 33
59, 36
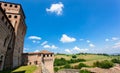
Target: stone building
16, 16
43, 58
12, 33
7, 37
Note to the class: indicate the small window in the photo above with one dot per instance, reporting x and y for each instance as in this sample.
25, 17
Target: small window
35, 62
44, 55
15, 16
47, 55
51, 55
9, 16
29, 63
5, 4
15, 6
2, 57
10, 5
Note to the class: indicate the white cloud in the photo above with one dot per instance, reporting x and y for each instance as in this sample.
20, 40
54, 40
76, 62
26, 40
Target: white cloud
45, 42
115, 38
67, 39
107, 40
92, 45
50, 46
56, 8
34, 38
77, 49
88, 41
34, 41
37, 51
117, 45
68, 51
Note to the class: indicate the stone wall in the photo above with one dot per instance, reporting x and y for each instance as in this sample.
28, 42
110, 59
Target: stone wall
6, 44
68, 71
16, 16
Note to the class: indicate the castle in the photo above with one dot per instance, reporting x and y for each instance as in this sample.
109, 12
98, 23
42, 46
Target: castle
12, 33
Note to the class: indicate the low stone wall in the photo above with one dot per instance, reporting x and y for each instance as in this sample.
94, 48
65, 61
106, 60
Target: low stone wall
69, 71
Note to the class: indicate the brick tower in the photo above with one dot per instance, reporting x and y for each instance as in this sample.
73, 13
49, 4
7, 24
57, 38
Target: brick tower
16, 16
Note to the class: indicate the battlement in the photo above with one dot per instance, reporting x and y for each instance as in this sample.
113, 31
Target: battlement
12, 8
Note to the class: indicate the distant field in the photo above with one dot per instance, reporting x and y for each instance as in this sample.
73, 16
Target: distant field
90, 58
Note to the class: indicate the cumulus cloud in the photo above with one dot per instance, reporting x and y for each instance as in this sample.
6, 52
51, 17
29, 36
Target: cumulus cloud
45, 42
68, 51
67, 39
34, 38
56, 8
50, 47
115, 38
88, 41
117, 45
112, 39
34, 41
92, 45
37, 51
107, 40
76, 50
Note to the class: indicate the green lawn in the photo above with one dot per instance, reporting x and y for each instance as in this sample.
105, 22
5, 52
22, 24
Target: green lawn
22, 69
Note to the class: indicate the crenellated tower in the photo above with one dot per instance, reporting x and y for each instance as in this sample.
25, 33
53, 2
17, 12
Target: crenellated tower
16, 16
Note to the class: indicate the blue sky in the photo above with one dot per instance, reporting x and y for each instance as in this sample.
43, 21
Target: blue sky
72, 26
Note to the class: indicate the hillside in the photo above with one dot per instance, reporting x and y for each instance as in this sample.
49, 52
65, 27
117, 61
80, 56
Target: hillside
88, 63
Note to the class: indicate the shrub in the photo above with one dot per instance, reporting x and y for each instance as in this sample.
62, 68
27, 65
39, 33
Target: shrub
59, 62
79, 66
84, 71
56, 69
82, 65
104, 64
116, 61
67, 66
74, 56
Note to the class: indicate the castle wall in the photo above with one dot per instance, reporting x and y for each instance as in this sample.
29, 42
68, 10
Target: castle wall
6, 32
16, 16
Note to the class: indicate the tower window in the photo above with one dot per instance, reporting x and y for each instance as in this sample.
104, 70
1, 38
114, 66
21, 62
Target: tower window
2, 57
10, 5
15, 6
15, 16
51, 55
5, 4
9, 16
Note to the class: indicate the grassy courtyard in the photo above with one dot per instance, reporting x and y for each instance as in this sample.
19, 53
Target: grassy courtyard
22, 69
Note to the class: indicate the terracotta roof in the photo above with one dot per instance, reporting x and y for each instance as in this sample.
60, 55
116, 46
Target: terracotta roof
41, 52
45, 52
